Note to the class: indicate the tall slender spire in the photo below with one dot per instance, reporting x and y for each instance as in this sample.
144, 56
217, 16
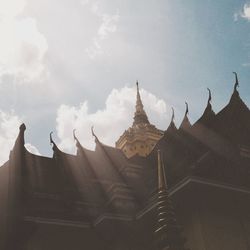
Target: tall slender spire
140, 115
168, 233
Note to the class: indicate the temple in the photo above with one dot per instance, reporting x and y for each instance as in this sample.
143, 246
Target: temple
188, 189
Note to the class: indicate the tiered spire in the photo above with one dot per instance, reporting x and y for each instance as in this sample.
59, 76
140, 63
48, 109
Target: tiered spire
140, 115
168, 235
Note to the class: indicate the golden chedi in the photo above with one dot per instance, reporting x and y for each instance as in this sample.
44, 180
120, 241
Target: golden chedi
141, 138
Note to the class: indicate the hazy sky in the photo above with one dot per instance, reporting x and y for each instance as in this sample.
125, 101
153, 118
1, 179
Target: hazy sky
72, 64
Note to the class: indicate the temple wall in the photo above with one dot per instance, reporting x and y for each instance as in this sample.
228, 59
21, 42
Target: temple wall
4, 177
221, 222
62, 237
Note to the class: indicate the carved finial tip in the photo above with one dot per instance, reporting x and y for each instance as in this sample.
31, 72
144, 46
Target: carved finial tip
172, 118
209, 95
74, 134
236, 85
22, 127
50, 138
186, 108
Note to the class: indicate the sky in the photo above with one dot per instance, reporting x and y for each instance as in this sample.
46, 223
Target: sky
68, 65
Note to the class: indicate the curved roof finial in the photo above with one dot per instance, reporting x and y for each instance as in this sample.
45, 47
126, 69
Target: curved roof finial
187, 111
78, 144
172, 118
74, 134
20, 137
55, 148
50, 138
93, 134
22, 127
236, 85
209, 96
137, 89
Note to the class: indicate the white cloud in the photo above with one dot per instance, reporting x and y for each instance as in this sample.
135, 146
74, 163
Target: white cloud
32, 149
244, 13
9, 124
108, 25
22, 46
109, 122
11, 8
84, 2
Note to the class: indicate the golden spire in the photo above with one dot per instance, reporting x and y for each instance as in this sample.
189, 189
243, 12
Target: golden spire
140, 115
168, 232
162, 183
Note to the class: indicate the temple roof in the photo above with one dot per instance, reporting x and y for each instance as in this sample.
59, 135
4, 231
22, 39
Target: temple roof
236, 116
206, 149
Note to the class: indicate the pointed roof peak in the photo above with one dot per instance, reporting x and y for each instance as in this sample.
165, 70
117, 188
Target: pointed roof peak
208, 112
235, 96
140, 115
20, 137
209, 106
171, 128
185, 124
235, 101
